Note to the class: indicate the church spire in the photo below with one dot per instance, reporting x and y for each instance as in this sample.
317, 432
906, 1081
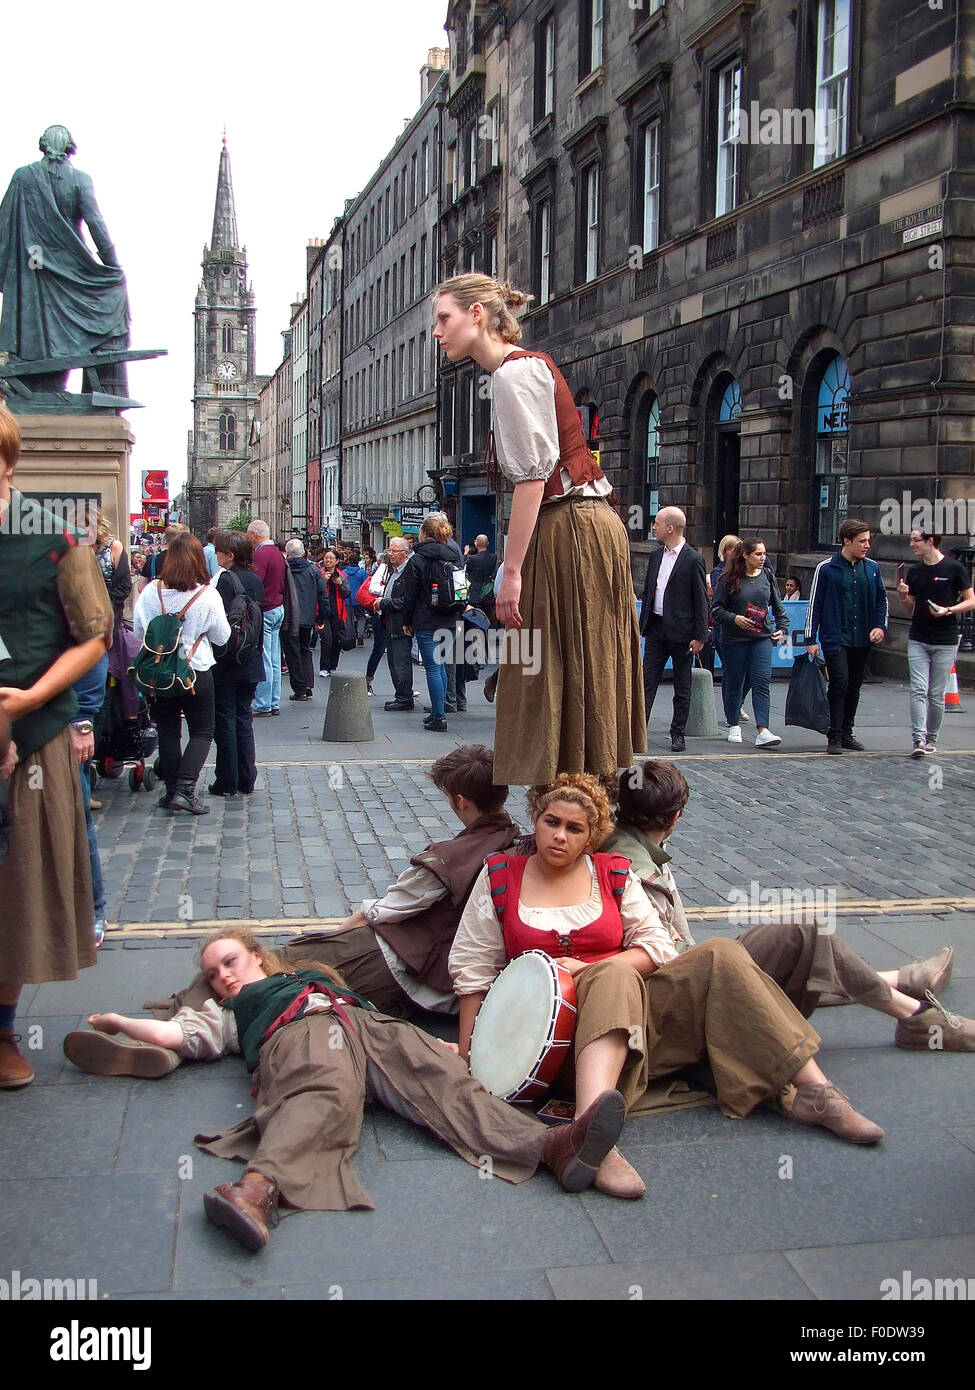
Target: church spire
224, 235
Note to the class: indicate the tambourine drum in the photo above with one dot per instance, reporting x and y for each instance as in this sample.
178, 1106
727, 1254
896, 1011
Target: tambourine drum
524, 1028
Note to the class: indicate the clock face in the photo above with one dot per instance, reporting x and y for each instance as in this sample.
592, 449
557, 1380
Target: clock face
226, 371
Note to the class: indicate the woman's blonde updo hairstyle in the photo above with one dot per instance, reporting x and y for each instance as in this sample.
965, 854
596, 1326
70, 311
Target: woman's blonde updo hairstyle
497, 297
580, 789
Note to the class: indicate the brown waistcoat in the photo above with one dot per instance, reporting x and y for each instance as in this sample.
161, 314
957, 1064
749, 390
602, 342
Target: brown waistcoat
574, 453
423, 942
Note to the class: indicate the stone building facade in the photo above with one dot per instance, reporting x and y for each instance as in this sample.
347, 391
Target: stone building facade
749, 230
330, 381
474, 230
388, 356
225, 386
299, 418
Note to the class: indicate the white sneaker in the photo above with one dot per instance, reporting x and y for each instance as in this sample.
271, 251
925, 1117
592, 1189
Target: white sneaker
743, 718
734, 733
766, 739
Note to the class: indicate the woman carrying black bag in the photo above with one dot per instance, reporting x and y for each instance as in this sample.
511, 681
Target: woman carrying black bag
333, 636
235, 682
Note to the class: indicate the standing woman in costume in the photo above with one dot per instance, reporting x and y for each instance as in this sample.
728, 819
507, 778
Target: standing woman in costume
567, 578
55, 625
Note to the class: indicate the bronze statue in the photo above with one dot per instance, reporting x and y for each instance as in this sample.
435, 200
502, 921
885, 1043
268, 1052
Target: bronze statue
62, 308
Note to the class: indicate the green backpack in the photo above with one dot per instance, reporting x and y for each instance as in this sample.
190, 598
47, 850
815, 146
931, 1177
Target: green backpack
160, 669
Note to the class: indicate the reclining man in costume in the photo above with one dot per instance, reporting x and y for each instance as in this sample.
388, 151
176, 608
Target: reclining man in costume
393, 951
814, 969
319, 1053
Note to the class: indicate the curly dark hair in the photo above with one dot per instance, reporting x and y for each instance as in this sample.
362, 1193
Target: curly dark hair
579, 789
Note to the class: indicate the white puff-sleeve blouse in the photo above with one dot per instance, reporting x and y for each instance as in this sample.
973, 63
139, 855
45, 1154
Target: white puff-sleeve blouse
526, 430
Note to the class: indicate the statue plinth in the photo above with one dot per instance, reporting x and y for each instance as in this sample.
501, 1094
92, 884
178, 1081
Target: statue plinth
79, 456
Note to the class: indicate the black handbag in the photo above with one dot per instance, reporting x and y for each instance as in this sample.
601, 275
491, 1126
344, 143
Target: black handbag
807, 701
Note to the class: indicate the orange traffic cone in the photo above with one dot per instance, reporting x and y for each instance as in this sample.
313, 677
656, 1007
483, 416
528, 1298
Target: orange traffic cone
952, 696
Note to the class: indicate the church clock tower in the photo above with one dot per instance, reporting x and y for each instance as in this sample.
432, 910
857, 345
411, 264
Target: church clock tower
225, 387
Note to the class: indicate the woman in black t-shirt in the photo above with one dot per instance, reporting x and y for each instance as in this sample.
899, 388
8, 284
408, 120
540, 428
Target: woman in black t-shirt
932, 594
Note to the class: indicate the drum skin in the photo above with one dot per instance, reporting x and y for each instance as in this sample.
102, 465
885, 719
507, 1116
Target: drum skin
524, 1028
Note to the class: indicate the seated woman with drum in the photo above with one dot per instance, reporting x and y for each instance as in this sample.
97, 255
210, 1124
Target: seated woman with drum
643, 1011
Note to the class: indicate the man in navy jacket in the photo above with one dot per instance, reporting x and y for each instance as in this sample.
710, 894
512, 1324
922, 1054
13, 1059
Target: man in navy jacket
847, 615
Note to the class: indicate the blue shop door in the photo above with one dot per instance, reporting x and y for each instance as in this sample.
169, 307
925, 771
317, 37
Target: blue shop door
476, 519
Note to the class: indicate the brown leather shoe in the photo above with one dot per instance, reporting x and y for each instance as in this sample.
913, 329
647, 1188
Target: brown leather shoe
617, 1178
932, 974
828, 1106
246, 1209
574, 1152
102, 1055
936, 1030
15, 1071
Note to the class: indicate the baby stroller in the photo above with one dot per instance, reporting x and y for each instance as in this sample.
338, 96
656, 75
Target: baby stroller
126, 733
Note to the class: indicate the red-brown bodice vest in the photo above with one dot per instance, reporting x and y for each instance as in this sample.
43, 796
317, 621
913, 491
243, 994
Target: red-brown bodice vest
595, 941
574, 453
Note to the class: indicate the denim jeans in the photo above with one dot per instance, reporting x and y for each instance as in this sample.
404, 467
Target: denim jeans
719, 648
456, 679
845, 668
740, 661
930, 666
97, 887
428, 640
269, 691
378, 648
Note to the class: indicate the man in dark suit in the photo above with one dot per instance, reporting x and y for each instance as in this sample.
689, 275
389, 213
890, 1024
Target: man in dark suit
674, 616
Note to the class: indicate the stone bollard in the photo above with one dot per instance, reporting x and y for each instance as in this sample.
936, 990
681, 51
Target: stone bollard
348, 718
701, 719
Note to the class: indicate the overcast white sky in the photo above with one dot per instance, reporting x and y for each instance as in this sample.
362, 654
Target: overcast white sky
312, 95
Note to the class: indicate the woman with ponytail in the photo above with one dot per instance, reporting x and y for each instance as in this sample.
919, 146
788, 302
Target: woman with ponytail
574, 701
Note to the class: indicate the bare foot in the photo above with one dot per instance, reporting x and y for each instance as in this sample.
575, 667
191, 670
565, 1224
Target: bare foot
105, 1023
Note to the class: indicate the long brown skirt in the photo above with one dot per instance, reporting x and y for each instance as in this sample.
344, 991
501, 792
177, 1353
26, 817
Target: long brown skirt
47, 914
711, 1004
583, 710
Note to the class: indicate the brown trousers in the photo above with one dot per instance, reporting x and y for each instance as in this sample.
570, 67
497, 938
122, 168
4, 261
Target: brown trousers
711, 1004
814, 969
315, 1075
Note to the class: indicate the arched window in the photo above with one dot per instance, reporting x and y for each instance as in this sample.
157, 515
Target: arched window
648, 445
227, 338
228, 431
723, 444
730, 406
832, 440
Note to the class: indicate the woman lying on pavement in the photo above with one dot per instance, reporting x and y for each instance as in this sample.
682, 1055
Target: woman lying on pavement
644, 1010
319, 1053
816, 969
